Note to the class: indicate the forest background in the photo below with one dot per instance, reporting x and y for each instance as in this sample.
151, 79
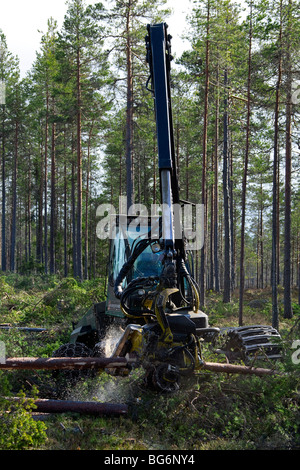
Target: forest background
79, 131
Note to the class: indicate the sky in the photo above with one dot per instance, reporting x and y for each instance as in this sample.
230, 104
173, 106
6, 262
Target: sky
23, 21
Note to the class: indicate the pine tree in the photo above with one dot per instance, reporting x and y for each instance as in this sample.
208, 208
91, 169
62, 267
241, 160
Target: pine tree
80, 47
10, 116
242, 268
129, 19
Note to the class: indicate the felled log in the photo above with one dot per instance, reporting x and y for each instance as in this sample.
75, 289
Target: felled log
81, 363
59, 363
22, 328
237, 369
67, 406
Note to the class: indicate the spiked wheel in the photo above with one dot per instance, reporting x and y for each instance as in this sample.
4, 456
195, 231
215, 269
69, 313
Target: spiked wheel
72, 350
67, 378
252, 342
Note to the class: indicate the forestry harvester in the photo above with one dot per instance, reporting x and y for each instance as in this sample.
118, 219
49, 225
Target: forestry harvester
152, 293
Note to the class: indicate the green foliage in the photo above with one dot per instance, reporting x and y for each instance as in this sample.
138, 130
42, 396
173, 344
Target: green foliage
210, 411
5, 288
18, 429
43, 302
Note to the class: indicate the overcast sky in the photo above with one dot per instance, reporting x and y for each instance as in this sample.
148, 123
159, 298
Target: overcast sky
21, 21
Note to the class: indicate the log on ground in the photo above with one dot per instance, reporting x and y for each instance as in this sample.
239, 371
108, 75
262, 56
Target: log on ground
58, 363
237, 369
66, 406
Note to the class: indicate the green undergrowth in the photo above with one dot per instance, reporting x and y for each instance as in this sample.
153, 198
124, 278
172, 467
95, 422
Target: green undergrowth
210, 411
18, 428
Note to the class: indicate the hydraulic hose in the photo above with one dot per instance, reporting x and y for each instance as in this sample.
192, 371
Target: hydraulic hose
192, 283
127, 267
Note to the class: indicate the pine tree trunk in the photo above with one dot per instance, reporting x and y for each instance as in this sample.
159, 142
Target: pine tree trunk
232, 223
28, 215
226, 194
288, 313
74, 231
79, 171
65, 212
46, 186
53, 203
244, 187
216, 194
278, 247
65, 223
274, 274
211, 230
39, 231
14, 200
3, 228
86, 235
129, 115
261, 242
203, 253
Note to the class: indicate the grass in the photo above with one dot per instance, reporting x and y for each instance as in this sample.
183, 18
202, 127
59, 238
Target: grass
209, 412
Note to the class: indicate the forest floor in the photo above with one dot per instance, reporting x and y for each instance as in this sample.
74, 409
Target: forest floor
211, 411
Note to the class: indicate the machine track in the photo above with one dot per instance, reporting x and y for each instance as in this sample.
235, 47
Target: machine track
249, 343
